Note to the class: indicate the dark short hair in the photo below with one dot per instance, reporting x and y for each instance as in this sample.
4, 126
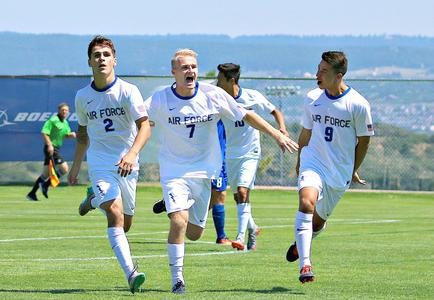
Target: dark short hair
62, 105
230, 71
337, 60
100, 40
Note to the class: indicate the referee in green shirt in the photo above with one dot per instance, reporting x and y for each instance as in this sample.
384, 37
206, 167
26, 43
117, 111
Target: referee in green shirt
54, 131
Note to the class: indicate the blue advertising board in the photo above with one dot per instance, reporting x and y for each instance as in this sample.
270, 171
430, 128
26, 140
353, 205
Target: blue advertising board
25, 104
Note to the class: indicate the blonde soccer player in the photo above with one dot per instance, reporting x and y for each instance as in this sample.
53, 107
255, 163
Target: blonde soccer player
187, 113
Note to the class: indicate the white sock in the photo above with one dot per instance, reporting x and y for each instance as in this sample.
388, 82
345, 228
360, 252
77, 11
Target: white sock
303, 237
121, 248
176, 261
244, 214
251, 225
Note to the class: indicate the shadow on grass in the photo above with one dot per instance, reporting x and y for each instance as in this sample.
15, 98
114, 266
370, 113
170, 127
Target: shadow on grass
274, 290
75, 291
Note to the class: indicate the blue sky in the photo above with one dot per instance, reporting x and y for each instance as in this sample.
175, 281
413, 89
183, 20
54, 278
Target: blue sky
234, 18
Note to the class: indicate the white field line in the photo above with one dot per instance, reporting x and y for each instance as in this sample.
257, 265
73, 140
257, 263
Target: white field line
157, 239
340, 221
74, 237
346, 223
139, 256
114, 258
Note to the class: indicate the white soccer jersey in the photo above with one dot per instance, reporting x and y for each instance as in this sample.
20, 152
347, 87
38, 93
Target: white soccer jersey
242, 140
336, 122
110, 116
188, 129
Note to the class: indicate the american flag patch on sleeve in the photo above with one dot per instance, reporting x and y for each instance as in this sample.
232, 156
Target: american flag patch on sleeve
370, 127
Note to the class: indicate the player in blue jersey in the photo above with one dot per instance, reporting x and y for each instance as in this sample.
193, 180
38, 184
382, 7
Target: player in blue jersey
337, 126
113, 127
243, 149
187, 113
218, 192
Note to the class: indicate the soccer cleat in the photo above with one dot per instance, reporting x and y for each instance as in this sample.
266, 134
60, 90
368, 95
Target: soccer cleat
179, 287
135, 280
44, 187
251, 240
159, 207
292, 253
306, 274
86, 204
238, 244
31, 197
224, 241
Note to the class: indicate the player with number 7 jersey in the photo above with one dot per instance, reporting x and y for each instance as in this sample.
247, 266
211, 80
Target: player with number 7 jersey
188, 135
186, 114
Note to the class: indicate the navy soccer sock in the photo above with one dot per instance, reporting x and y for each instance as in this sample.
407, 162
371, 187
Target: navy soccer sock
218, 215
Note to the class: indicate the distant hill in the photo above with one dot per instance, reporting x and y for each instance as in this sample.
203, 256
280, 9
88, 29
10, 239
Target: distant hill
369, 56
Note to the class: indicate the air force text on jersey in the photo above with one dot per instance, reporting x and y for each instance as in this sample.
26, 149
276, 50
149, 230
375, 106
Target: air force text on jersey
190, 119
328, 120
106, 112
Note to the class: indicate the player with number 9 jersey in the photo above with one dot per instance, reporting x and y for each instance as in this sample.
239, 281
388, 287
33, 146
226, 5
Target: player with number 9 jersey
336, 122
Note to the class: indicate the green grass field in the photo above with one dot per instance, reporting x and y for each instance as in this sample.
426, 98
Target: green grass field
377, 246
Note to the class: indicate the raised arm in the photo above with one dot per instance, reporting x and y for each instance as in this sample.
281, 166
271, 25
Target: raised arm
259, 123
280, 120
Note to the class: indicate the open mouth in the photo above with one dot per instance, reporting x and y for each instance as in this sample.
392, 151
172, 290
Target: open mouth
189, 79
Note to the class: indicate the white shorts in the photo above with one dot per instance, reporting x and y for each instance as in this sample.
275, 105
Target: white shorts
242, 172
192, 194
109, 185
328, 197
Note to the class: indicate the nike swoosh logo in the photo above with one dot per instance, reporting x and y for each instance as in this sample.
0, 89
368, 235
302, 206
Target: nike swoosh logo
172, 108
89, 102
301, 229
201, 221
316, 104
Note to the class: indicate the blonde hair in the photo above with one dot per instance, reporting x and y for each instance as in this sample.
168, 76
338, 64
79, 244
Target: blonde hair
182, 52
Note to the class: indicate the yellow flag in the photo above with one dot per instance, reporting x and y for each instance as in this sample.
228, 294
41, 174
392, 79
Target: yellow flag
53, 176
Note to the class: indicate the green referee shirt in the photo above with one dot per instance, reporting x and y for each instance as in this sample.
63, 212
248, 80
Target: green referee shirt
56, 130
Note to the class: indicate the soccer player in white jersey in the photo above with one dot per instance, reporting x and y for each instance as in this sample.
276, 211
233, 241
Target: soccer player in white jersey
243, 150
337, 126
113, 122
187, 114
